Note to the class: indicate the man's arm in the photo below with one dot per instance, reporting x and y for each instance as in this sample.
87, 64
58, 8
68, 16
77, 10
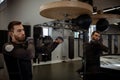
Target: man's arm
31, 47
99, 45
52, 47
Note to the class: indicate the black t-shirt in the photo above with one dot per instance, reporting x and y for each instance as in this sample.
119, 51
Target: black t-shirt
18, 61
92, 52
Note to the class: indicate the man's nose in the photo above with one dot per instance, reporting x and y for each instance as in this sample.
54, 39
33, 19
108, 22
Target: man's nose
23, 32
98, 38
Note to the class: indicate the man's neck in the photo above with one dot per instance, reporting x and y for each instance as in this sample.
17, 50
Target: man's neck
17, 42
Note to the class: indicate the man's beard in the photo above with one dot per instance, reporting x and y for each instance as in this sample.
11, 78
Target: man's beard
19, 39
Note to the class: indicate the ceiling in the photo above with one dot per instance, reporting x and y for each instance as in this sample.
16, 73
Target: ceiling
111, 6
106, 6
115, 10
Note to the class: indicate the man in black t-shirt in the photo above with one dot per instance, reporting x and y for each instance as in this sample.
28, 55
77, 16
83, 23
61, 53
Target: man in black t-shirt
18, 53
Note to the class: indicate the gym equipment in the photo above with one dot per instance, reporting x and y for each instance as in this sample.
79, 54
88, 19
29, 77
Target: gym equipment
71, 47
110, 67
61, 9
83, 21
102, 24
111, 62
37, 35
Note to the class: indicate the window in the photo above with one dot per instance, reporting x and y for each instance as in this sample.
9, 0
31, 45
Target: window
76, 35
45, 31
91, 29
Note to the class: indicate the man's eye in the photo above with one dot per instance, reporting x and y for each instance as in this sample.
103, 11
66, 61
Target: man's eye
19, 30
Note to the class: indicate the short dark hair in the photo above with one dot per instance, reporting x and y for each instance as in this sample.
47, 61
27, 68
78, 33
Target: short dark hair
95, 32
59, 37
12, 24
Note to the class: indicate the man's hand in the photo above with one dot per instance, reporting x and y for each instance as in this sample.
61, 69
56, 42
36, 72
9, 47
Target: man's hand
30, 40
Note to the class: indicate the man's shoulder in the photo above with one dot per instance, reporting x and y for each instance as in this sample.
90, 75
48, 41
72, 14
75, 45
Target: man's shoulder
7, 43
86, 44
8, 47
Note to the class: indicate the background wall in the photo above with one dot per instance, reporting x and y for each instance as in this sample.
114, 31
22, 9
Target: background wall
26, 11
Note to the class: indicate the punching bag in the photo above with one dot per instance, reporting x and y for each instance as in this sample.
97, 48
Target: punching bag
37, 35
83, 21
71, 47
37, 32
102, 24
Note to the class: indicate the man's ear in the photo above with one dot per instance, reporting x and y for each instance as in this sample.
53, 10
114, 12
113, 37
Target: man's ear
10, 34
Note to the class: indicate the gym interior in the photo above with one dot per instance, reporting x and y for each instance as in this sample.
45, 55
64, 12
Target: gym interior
52, 18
